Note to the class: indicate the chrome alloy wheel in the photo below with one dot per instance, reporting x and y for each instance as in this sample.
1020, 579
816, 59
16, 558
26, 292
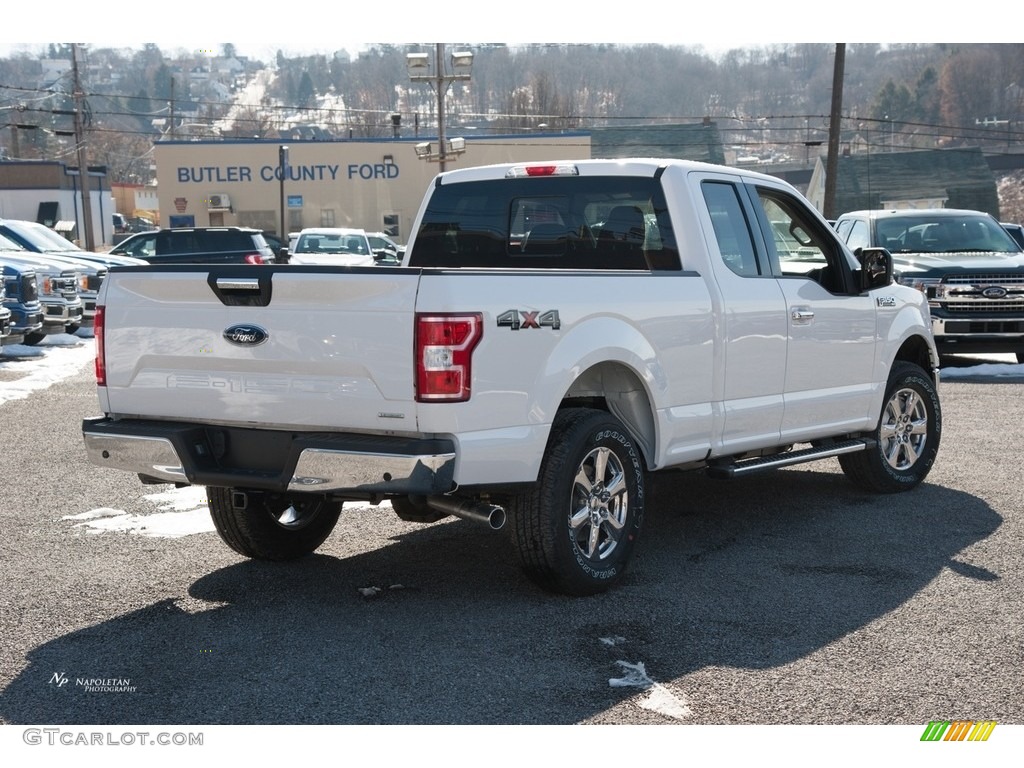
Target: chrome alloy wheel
904, 428
600, 503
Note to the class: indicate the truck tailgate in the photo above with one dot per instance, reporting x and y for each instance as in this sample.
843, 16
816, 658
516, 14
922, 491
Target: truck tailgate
289, 347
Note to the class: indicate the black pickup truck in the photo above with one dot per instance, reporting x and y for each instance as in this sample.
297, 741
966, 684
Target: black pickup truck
967, 265
198, 245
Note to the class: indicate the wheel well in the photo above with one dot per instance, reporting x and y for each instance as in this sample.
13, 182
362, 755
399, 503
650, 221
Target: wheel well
915, 350
617, 389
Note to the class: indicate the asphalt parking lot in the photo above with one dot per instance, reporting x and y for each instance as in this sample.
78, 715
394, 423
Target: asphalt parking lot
784, 598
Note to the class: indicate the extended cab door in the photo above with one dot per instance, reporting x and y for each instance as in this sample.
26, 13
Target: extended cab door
831, 325
751, 321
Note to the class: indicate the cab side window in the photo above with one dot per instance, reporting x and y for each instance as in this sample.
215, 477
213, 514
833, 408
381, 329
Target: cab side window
797, 242
732, 228
142, 247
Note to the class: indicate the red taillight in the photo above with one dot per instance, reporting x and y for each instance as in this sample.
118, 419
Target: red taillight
254, 258
101, 362
444, 354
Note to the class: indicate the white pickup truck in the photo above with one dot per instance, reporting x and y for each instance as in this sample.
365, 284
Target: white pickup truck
556, 332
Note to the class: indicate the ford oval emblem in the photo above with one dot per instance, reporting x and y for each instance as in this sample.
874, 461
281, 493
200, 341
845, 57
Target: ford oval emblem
994, 292
246, 335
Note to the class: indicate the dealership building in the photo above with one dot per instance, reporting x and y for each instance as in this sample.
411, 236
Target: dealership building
373, 184
376, 185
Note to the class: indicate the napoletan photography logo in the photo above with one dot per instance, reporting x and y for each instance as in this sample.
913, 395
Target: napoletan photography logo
958, 730
93, 684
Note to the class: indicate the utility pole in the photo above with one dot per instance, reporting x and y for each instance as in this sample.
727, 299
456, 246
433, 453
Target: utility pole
442, 88
83, 164
834, 129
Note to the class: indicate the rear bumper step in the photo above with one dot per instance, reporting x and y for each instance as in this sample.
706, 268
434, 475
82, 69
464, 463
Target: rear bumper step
729, 469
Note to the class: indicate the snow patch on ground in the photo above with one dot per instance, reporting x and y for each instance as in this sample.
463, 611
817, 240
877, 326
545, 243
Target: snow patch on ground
180, 512
660, 699
54, 359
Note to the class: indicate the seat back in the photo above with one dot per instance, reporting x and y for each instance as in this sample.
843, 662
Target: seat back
546, 239
621, 237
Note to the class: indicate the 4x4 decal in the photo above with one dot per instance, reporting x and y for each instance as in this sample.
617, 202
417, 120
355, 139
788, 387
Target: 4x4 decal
521, 318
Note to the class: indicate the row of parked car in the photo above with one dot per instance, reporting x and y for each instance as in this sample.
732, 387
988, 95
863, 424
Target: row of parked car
49, 285
320, 245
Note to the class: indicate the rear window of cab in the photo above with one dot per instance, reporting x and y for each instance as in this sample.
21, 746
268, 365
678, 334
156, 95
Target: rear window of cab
609, 223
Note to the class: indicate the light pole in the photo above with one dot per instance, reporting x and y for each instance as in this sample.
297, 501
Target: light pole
282, 162
419, 66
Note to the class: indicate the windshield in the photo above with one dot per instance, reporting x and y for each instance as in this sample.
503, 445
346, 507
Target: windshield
6, 244
41, 237
944, 234
331, 243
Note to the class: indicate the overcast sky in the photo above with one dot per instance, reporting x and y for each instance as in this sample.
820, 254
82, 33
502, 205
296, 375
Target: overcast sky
259, 30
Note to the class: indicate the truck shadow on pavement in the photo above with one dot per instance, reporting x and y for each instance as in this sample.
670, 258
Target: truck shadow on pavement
439, 626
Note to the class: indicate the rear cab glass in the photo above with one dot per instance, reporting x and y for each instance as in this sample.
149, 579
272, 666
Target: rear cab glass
613, 222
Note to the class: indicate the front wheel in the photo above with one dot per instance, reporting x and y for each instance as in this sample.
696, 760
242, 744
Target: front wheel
271, 526
907, 436
576, 528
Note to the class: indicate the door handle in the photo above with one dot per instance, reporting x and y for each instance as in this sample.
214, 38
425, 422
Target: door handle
801, 315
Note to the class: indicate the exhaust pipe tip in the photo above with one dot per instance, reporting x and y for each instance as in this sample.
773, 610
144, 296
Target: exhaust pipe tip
476, 511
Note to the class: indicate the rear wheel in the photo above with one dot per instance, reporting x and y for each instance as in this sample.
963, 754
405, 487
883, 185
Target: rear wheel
906, 438
271, 526
576, 528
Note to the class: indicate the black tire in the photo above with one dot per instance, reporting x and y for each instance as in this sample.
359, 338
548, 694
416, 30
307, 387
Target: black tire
272, 526
73, 328
34, 338
414, 509
907, 435
576, 528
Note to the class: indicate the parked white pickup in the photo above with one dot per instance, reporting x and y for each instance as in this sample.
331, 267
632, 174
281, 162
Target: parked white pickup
556, 332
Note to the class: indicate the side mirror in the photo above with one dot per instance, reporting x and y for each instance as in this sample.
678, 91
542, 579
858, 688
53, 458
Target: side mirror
875, 267
283, 255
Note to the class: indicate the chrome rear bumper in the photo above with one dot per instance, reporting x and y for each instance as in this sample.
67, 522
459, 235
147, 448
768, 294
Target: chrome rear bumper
313, 463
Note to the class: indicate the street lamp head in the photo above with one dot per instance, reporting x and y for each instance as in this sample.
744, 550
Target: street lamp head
418, 65
423, 149
462, 64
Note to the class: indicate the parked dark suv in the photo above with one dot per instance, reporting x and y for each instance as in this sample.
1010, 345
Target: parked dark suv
198, 245
967, 265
